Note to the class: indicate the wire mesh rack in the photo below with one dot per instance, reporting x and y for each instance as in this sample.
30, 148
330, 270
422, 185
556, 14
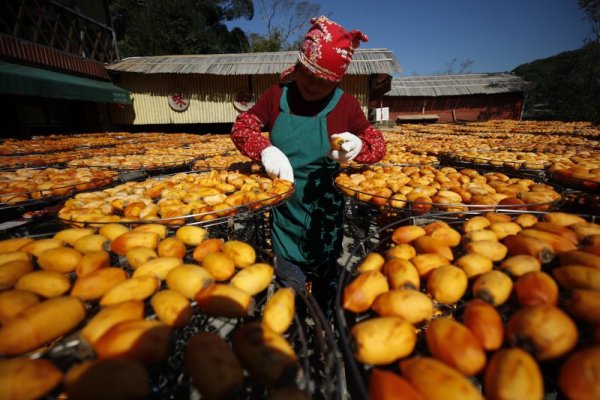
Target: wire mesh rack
126, 165
11, 163
320, 372
576, 201
17, 202
379, 240
10, 211
584, 185
395, 205
534, 169
228, 213
228, 159
376, 238
394, 208
386, 163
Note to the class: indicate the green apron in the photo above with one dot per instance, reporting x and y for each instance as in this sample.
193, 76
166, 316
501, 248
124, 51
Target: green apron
307, 229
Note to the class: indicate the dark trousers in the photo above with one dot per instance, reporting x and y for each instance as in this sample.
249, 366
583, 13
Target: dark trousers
319, 280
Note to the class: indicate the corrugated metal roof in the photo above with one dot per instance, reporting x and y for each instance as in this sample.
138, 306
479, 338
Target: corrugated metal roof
456, 85
364, 62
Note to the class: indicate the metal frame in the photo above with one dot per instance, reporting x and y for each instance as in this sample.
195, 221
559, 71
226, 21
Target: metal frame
321, 372
51, 24
357, 373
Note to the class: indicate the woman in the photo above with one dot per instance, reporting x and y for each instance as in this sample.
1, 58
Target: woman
303, 116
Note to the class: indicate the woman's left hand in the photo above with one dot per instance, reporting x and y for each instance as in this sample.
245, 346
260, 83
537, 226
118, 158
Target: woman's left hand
349, 149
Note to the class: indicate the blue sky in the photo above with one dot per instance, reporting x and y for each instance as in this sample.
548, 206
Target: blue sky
426, 36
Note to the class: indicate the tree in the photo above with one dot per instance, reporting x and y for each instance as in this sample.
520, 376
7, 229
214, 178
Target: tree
592, 10
565, 86
285, 22
264, 43
160, 27
456, 67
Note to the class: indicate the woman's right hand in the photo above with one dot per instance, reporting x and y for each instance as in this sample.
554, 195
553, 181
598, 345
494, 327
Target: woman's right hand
277, 164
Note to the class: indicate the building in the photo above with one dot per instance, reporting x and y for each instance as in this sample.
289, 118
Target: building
214, 88
454, 98
52, 66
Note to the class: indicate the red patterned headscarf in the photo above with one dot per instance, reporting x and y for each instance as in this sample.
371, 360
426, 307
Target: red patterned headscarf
327, 49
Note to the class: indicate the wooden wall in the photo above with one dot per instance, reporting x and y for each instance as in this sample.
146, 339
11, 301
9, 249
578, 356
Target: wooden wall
211, 96
458, 108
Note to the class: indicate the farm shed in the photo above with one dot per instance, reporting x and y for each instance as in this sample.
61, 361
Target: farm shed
214, 88
52, 58
453, 98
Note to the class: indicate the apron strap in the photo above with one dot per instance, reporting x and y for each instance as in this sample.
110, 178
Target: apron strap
283, 103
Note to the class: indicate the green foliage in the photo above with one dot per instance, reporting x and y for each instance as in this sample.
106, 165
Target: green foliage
161, 27
592, 11
285, 21
564, 87
456, 67
264, 43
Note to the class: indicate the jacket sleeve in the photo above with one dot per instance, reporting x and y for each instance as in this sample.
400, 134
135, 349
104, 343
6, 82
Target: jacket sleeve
373, 143
247, 136
373, 146
246, 132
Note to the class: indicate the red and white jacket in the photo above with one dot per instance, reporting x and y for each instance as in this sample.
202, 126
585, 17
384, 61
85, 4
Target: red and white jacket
347, 116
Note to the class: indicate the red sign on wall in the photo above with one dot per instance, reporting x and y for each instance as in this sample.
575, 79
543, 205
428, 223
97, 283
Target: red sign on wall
243, 100
179, 100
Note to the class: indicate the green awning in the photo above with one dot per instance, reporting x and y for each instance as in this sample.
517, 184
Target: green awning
28, 81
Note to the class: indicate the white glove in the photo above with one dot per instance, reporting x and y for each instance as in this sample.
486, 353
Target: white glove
277, 164
349, 149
